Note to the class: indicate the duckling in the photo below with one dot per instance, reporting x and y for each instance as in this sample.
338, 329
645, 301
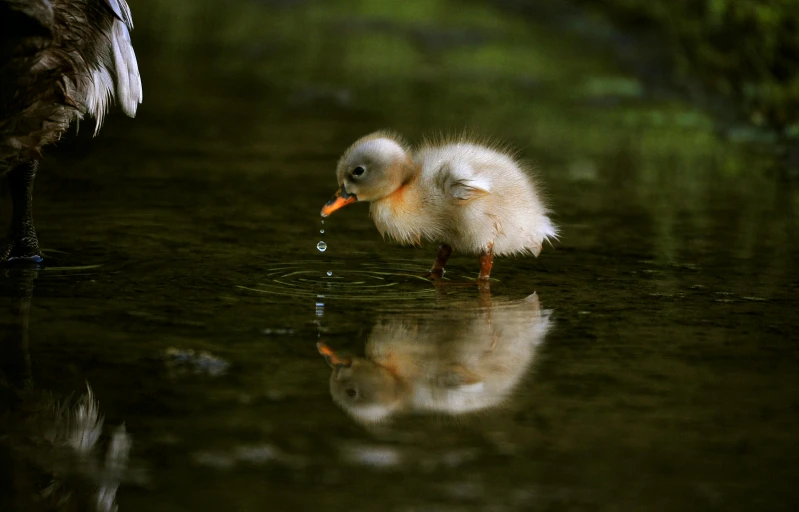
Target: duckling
467, 196
60, 60
455, 361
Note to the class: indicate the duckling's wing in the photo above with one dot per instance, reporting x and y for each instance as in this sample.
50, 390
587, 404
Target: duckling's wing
458, 376
461, 183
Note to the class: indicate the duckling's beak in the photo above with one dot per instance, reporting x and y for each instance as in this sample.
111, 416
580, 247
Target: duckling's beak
331, 357
340, 200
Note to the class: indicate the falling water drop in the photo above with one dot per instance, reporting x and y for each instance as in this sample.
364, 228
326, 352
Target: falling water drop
321, 246
329, 273
322, 231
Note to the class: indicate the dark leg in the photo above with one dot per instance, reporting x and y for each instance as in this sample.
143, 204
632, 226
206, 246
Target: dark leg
486, 262
444, 253
22, 242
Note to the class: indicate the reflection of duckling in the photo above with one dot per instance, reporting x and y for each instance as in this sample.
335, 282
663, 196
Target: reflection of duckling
467, 196
59, 60
454, 362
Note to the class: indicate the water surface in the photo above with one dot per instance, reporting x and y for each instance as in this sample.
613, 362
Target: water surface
184, 285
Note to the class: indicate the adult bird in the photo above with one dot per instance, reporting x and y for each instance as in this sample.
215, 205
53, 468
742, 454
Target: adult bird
60, 60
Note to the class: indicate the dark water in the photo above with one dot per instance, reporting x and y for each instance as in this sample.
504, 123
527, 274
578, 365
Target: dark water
656, 368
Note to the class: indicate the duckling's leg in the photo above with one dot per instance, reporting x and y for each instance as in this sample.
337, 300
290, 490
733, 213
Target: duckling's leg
444, 252
22, 242
486, 262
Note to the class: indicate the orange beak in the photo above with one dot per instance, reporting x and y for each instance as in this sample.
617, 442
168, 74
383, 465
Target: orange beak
332, 358
340, 200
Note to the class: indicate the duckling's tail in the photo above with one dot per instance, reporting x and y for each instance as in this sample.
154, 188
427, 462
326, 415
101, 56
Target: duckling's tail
548, 232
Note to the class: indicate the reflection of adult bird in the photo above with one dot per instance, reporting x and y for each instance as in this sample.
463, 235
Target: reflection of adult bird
59, 60
15, 364
51, 454
452, 362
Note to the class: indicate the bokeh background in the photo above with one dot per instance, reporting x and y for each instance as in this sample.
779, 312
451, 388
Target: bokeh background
183, 282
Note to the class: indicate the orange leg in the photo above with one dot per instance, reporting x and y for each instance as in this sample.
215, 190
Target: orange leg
444, 252
484, 296
486, 262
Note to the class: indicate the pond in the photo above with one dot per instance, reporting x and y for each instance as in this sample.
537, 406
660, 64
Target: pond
646, 361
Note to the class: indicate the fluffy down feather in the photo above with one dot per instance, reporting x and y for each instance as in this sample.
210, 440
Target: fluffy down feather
468, 195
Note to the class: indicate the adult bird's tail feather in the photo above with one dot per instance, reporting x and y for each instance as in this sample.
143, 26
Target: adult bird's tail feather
128, 80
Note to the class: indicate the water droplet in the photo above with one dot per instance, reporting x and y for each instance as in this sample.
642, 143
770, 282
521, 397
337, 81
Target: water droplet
322, 231
321, 246
323, 221
329, 272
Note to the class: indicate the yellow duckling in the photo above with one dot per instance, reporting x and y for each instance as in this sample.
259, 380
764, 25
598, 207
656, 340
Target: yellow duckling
466, 196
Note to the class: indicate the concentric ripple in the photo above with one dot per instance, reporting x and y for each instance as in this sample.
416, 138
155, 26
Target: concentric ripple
391, 280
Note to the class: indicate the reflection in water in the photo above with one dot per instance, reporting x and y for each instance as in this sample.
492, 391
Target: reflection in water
51, 453
454, 361
15, 364
76, 431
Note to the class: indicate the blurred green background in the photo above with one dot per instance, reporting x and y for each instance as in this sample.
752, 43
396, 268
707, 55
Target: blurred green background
668, 382
745, 50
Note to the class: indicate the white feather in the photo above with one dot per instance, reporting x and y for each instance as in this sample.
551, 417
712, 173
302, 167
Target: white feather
462, 183
117, 75
98, 94
128, 82
125, 9
85, 424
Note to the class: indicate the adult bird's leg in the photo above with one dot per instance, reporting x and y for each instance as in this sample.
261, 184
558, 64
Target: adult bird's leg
444, 252
486, 262
22, 242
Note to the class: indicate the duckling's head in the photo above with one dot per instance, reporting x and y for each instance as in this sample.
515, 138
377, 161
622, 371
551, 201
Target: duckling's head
374, 167
365, 390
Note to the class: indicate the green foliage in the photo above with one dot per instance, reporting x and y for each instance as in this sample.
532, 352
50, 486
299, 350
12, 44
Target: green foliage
748, 50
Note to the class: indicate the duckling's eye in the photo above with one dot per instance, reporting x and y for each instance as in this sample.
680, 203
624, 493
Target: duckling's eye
351, 392
358, 171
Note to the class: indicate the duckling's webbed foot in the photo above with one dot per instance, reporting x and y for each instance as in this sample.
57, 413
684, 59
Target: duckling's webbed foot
444, 252
22, 243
